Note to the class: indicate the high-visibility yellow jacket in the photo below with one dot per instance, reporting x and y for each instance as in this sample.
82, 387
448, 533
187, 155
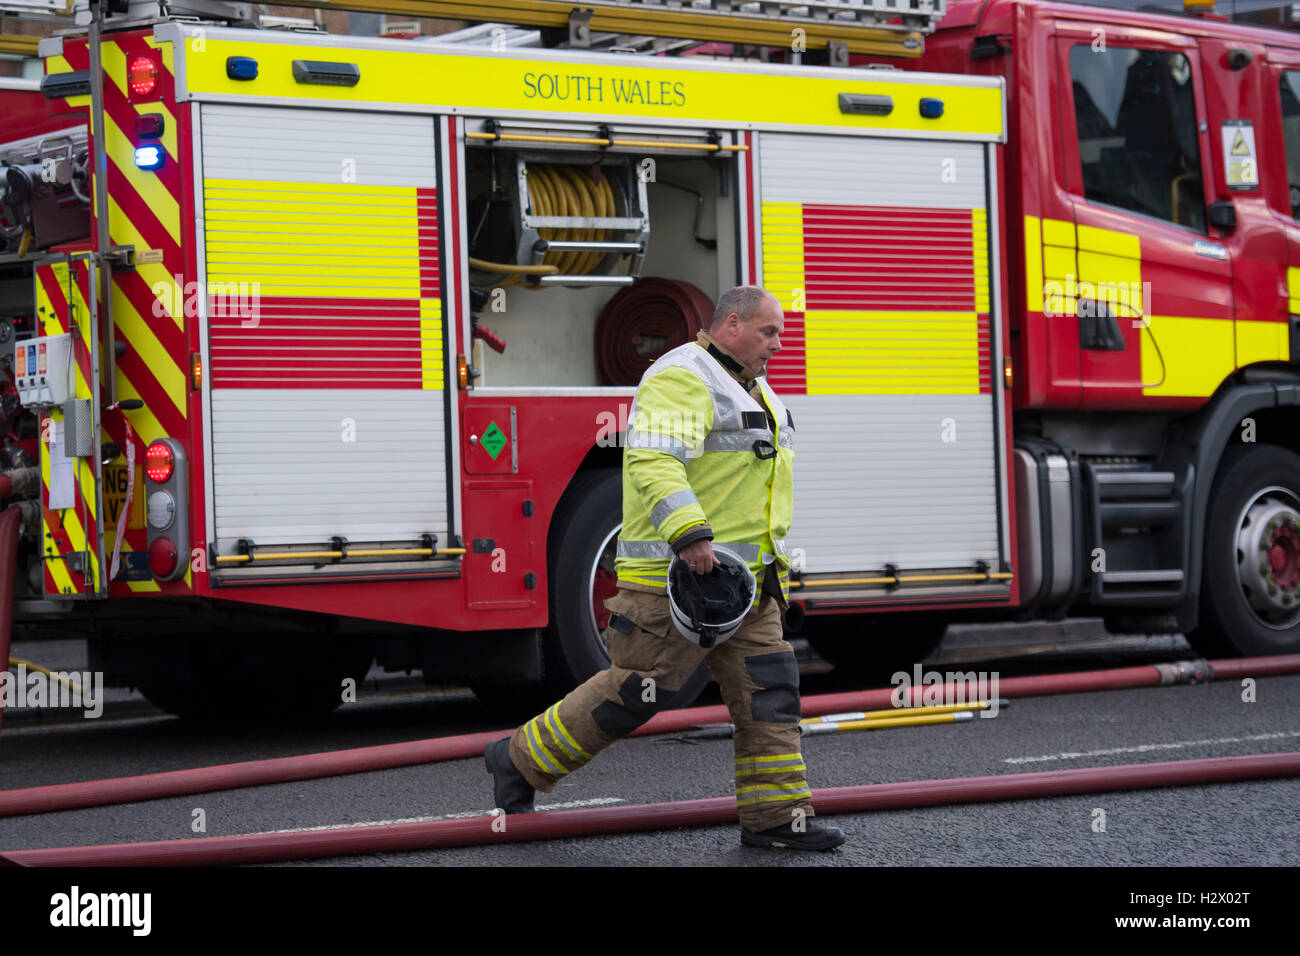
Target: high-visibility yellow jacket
704, 459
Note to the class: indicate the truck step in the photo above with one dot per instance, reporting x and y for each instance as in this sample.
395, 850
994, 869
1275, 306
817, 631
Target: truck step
1137, 516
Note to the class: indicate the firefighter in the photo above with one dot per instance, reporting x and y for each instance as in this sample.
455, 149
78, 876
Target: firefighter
709, 456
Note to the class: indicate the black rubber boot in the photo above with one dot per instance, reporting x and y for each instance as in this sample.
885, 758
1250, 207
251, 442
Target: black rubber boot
511, 791
815, 836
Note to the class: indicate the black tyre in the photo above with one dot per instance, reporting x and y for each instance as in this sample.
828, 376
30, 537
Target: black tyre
873, 647
581, 561
222, 681
1250, 582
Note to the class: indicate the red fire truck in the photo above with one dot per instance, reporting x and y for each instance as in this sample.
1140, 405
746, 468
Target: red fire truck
343, 371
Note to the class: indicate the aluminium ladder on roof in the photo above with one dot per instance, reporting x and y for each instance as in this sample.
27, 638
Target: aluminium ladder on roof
843, 26
883, 27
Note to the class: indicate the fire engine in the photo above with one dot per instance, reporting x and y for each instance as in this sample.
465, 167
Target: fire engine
340, 365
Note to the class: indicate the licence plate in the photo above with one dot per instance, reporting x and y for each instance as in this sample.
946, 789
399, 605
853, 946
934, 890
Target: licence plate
115, 497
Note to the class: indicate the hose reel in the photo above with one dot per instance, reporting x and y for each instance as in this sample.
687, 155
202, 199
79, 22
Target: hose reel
575, 225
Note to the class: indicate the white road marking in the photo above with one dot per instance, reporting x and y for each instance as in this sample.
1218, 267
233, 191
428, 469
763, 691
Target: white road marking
570, 805
1146, 748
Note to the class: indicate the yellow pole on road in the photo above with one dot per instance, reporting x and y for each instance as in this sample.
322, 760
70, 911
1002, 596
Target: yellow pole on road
862, 720
900, 711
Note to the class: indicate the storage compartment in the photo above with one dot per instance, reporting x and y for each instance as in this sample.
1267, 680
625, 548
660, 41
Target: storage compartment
668, 216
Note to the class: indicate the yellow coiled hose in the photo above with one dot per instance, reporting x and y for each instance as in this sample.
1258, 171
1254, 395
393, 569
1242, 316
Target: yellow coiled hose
562, 190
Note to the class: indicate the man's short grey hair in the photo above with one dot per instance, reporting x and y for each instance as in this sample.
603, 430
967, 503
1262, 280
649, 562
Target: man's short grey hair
744, 300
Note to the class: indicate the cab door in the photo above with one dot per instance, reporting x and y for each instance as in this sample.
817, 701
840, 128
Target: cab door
1152, 300
1279, 159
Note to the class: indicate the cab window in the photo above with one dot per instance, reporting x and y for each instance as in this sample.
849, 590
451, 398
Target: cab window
1136, 115
1291, 135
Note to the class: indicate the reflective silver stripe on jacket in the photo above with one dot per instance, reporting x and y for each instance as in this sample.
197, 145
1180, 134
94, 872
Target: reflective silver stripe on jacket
643, 549
749, 553
678, 499
726, 414
736, 441
730, 398
652, 441
727, 404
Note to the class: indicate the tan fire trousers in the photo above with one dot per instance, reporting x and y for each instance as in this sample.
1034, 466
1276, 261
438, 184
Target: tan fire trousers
759, 678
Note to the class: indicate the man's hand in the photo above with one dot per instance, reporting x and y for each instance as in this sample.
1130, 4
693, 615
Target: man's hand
699, 556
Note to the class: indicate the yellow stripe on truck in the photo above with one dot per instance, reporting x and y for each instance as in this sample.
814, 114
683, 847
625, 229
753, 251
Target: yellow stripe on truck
431, 359
146, 183
783, 264
314, 239
892, 353
114, 58
1293, 290
980, 257
1060, 267
1094, 239
1033, 264
497, 82
142, 340
1186, 356
59, 64
73, 530
1262, 342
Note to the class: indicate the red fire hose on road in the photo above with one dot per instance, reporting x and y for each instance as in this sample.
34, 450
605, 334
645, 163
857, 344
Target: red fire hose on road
556, 824
94, 793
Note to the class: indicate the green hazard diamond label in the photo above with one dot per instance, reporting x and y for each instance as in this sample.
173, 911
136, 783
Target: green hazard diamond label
493, 440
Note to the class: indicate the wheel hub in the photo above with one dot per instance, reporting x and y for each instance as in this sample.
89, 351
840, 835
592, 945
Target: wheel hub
1268, 556
604, 582
605, 587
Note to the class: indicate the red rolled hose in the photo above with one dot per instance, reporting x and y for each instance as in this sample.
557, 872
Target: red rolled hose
642, 322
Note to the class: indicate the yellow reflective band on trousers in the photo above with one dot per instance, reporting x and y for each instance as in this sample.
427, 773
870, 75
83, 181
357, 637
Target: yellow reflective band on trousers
561, 735
777, 763
543, 757
699, 449
769, 792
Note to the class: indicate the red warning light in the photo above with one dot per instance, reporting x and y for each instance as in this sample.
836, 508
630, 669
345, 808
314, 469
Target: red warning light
158, 462
142, 75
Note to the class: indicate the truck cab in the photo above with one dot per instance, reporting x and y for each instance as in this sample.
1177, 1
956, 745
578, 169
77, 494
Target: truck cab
1152, 261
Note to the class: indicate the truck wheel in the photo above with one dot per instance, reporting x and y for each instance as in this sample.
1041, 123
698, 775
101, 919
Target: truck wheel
581, 561
1250, 587
873, 647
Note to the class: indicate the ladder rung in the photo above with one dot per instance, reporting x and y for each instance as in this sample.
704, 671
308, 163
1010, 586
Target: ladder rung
583, 222
574, 245
587, 280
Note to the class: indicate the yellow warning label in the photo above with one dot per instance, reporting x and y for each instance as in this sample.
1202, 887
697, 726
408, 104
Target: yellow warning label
1239, 167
